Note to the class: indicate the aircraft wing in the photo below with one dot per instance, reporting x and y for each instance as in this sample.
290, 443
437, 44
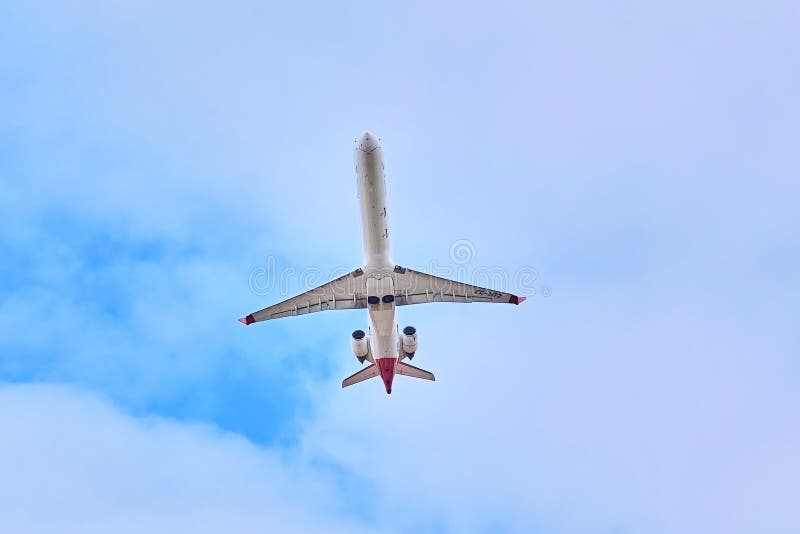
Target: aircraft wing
415, 287
343, 293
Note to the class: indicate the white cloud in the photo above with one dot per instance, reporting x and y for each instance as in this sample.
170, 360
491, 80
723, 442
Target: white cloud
74, 463
637, 422
609, 412
659, 404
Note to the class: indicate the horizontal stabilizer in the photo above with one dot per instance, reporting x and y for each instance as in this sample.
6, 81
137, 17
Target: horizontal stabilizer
416, 372
367, 372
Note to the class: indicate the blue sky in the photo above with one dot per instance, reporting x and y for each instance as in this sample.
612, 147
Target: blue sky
641, 158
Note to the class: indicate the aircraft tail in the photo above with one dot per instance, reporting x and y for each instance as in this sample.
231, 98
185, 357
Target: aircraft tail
370, 371
409, 370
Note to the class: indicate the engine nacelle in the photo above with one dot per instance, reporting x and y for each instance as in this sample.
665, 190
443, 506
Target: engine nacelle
360, 344
409, 341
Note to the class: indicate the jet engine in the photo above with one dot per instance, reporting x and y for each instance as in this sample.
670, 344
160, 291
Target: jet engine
360, 344
409, 341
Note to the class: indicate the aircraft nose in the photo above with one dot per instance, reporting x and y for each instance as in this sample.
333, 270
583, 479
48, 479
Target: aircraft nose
368, 142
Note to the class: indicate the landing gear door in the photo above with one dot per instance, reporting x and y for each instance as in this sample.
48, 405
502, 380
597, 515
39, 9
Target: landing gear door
372, 289
380, 291
387, 288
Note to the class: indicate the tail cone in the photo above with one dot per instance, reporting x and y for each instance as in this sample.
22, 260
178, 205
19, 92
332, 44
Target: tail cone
386, 367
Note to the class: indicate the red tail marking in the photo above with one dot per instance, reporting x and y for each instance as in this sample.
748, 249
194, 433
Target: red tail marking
386, 367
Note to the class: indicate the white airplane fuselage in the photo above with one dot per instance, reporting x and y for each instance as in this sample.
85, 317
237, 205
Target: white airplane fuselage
378, 264
379, 285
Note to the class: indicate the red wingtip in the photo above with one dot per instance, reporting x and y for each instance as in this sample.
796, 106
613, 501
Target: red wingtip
516, 300
247, 320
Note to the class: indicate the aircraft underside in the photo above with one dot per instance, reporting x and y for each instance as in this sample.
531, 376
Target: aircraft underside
379, 286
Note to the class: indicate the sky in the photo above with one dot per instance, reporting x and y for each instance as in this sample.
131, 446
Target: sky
630, 167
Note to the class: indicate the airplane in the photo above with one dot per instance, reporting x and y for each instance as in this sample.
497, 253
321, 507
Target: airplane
379, 285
